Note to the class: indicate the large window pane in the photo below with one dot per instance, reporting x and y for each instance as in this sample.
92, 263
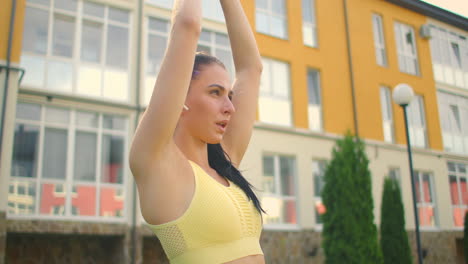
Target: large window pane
63, 37
35, 30
87, 119
85, 156
28, 111
89, 80
116, 85
69, 5
54, 154
53, 199
57, 115
114, 122
83, 200
287, 176
261, 22
156, 49
25, 151
112, 159
93, 9
111, 202
60, 76
21, 197
91, 41
268, 182
118, 15
117, 47
35, 67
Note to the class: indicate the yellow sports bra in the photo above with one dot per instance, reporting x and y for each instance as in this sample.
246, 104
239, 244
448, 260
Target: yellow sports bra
220, 225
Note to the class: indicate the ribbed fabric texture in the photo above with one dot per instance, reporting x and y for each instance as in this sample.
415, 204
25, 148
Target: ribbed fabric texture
220, 225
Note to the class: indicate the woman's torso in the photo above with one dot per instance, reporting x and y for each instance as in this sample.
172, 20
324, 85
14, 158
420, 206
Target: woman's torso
216, 222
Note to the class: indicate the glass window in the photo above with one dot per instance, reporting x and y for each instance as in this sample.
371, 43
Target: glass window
117, 44
85, 156
274, 102
417, 122
406, 46
314, 100
387, 114
271, 18
21, 197
425, 199
279, 199
35, 30
318, 170
70, 155
92, 63
309, 28
91, 41
458, 192
453, 112
63, 37
379, 40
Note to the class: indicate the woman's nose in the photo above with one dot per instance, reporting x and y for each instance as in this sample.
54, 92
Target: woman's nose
229, 106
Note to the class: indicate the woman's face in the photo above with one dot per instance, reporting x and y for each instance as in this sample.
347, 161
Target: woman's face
209, 103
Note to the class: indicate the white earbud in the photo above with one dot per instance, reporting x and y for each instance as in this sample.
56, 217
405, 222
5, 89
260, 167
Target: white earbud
186, 108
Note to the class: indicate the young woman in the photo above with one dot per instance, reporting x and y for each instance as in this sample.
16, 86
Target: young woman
192, 137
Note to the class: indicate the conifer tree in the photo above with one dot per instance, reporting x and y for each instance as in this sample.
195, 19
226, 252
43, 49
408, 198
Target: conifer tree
349, 232
393, 236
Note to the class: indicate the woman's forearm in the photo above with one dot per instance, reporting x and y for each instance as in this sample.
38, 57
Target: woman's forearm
243, 44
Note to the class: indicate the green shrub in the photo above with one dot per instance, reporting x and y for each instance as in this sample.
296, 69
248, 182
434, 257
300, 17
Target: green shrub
349, 232
393, 236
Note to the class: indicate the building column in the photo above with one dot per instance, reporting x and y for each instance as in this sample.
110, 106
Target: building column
6, 149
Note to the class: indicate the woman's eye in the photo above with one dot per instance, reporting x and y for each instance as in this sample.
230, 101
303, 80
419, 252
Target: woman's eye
215, 92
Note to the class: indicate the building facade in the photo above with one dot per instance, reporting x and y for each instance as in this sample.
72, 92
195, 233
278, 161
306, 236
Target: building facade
67, 193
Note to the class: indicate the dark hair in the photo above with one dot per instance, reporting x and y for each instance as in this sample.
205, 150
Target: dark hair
202, 58
217, 158
220, 162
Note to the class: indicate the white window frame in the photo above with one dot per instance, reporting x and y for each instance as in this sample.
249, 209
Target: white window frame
69, 182
455, 136
269, 13
75, 60
278, 195
406, 54
272, 93
419, 174
417, 104
309, 25
458, 174
387, 121
315, 111
446, 69
379, 40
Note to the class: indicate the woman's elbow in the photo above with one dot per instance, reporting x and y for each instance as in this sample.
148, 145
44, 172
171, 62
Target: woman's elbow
188, 23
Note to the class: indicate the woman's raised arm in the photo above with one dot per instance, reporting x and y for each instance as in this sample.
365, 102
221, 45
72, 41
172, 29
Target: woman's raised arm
248, 66
155, 132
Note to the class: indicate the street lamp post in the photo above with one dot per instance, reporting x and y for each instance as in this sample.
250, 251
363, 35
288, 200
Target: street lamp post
402, 95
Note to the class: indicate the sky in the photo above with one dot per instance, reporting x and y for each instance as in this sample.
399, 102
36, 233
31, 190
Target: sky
455, 6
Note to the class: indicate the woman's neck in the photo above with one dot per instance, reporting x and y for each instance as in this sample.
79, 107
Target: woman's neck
194, 149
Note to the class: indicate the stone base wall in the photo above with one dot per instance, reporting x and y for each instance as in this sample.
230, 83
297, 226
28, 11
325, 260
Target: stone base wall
36, 241
51, 249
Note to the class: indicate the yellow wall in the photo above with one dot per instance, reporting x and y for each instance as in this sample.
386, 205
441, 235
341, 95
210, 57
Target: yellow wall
5, 12
369, 76
331, 59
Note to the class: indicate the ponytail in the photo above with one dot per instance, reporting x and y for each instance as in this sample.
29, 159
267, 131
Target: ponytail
218, 160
